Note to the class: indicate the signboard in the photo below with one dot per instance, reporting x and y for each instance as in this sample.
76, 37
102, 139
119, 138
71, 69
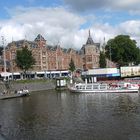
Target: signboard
101, 71
130, 71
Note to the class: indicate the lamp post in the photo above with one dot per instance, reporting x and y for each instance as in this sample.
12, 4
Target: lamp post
110, 54
4, 58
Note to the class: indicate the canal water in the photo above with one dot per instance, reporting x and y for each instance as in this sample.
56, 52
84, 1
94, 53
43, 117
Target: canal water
49, 115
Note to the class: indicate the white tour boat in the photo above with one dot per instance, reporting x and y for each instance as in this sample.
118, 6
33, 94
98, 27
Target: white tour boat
104, 88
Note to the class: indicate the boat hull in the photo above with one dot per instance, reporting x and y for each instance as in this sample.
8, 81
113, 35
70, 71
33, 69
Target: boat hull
105, 91
103, 88
2, 97
15, 95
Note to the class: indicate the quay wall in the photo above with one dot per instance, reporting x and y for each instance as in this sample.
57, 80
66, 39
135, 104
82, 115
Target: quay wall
31, 86
34, 86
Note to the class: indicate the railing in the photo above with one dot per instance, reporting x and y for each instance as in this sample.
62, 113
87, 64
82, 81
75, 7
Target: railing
91, 86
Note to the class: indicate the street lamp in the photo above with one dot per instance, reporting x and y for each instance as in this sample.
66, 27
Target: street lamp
110, 54
4, 58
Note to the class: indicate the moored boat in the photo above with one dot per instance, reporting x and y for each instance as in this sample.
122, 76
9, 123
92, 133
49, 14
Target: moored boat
23, 92
104, 88
19, 93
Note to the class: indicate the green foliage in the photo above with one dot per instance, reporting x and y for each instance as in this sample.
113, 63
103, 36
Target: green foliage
72, 66
102, 60
123, 50
24, 59
1, 49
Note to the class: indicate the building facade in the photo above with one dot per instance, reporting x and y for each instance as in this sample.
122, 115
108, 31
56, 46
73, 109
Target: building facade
91, 53
46, 57
49, 57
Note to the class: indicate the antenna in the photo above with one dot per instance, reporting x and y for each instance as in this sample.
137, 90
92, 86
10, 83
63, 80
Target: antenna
110, 54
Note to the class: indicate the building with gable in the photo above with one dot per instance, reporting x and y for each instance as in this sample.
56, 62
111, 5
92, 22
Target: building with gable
91, 53
49, 58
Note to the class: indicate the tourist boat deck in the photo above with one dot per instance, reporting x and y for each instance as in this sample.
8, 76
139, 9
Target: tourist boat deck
104, 88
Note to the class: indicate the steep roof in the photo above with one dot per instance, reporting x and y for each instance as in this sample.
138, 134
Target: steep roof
89, 40
20, 43
39, 38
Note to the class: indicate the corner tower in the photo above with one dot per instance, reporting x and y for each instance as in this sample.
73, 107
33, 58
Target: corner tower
91, 53
41, 42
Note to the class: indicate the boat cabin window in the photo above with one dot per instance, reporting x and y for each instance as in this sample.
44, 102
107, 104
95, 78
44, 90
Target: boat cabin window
82, 87
89, 87
103, 86
95, 86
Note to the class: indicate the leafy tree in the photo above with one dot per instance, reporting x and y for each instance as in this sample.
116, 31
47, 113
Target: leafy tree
123, 50
1, 49
137, 53
71, 66
102, 60
24, 59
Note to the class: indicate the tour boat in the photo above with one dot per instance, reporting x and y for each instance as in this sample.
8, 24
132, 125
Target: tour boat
104, 88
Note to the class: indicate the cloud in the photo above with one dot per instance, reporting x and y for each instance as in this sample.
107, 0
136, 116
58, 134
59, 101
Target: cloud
133, 27
60, 25
84, 5
53, 23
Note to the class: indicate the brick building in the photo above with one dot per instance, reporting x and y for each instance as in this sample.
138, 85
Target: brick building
91, 53
47, 57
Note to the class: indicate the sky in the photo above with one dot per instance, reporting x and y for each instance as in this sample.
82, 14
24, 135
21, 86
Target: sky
67, 22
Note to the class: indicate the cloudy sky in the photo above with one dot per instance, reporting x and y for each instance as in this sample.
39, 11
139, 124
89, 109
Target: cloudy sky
67, 22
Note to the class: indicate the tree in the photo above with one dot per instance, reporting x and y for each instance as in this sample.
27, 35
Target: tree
1, 49
24, 59
137, 53
102, 60
72, 66
123, 50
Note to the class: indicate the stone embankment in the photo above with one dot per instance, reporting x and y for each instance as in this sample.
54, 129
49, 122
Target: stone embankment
34, 86
31, 86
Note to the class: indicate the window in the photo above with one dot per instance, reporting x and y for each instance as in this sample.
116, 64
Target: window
89, 58
13, 55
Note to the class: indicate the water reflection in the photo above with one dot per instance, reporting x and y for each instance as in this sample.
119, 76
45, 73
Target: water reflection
127, 105
62, 115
